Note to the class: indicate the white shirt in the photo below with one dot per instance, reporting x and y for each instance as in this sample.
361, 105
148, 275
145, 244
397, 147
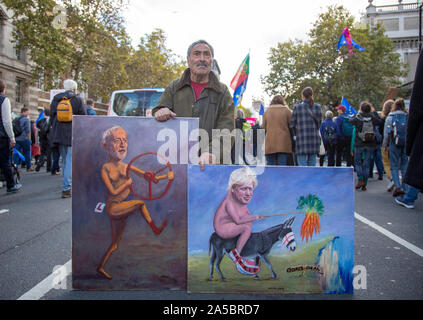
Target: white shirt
6, 115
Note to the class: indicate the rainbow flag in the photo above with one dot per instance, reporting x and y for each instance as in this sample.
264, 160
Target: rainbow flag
346, 40
239, 81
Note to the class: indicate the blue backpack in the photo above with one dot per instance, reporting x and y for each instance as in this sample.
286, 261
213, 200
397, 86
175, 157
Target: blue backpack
329, 135
399, 129
347, 127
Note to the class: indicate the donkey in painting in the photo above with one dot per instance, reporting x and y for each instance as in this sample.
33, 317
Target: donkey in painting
258, 246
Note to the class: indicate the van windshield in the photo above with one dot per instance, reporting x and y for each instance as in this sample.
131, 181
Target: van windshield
138, 103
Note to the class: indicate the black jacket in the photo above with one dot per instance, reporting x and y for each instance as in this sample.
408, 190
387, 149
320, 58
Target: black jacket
414, 139
61, 132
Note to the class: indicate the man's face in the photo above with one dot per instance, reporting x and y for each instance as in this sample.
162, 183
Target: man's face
200, 60
243, 193
118, 145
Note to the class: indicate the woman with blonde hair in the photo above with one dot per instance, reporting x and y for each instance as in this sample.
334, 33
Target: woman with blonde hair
387, 107
276, 121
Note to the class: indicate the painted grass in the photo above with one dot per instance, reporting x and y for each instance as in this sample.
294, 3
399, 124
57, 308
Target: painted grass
294, 282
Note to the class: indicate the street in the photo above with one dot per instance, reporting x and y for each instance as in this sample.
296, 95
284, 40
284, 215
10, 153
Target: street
36, 236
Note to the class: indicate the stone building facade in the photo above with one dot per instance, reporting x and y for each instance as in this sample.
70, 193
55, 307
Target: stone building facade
15, 70
401, 22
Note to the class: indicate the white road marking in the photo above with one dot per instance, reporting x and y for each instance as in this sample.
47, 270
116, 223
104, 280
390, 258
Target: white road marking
4, 211
48, 283
59, 275
390, 235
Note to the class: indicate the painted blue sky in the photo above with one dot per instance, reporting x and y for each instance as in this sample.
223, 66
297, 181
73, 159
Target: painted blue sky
278, 191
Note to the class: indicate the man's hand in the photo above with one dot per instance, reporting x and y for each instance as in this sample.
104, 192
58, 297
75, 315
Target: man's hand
164, 114
12, 143
206, 158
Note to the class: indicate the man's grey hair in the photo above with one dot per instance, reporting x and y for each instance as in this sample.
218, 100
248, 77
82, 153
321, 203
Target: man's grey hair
107, 135
69, 84
242, 176
198, 42
329, 114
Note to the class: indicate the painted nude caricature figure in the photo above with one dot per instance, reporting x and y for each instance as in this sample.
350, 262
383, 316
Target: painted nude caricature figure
233, 218
113, 173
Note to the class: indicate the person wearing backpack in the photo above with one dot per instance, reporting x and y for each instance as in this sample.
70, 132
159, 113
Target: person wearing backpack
7, 141
23, 141
62, 108
305, 124
414, 142
43, 129
364, 141
344, 141
394, 134
330, 134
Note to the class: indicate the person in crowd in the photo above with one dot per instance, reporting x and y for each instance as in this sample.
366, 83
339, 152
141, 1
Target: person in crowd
414, 142
62, 131
35, 142
256, 147
199, 93
276, 120
238, 154
43, 130
7, 141
330, 135
90, 108
387, 107
363, 142
305, 124
233, 218
23, 141
376, 157
395, 132
344, 142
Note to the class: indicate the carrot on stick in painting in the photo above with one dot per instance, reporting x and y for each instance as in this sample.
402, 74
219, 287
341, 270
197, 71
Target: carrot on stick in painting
313, 209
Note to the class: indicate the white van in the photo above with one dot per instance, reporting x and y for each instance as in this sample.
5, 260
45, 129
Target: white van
134, 102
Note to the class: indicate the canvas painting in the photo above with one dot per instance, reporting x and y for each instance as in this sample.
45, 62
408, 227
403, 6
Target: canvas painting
270, 230
129, 202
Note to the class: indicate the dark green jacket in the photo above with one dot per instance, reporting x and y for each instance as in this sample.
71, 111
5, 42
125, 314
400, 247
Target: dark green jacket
214, 107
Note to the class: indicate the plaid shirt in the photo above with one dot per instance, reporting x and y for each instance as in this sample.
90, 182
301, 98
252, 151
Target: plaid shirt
306, 129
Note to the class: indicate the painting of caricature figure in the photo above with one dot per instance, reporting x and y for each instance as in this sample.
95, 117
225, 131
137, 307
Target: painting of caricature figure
136, 241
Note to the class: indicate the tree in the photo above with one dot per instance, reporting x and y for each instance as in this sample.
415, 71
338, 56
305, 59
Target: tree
152, 64
364, 76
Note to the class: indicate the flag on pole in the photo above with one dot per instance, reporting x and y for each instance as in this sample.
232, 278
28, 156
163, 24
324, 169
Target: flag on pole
40, 117
239, 81
349, 110
261, 112
346, 40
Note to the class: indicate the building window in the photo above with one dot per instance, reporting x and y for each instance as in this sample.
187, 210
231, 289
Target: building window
390, 24
19, 91
411, 23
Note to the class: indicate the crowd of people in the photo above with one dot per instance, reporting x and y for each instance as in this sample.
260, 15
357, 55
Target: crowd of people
293, 137
33, 145
363, 140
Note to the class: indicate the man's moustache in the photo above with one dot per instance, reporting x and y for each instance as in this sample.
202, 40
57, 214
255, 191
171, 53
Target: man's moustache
202, 64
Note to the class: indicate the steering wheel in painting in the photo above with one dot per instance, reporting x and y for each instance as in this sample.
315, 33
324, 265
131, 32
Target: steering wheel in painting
150, 177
